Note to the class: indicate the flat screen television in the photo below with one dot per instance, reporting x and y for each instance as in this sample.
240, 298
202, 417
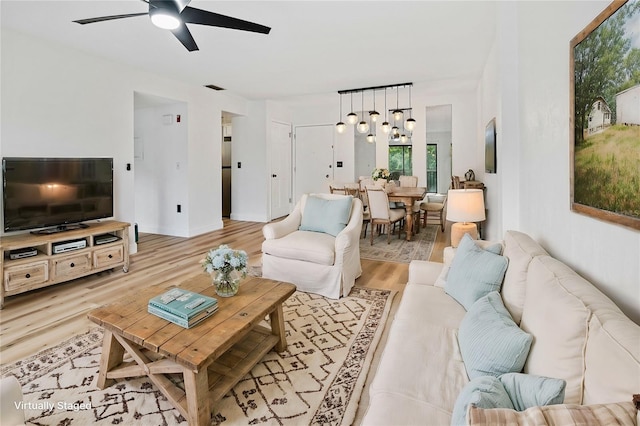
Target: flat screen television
55, 192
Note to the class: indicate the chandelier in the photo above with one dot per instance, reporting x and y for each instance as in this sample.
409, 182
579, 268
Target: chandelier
401, 130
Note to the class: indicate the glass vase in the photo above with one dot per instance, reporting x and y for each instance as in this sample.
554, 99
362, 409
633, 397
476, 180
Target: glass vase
226, 282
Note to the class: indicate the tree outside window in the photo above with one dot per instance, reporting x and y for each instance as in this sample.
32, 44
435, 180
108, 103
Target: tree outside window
400, 161
432, 168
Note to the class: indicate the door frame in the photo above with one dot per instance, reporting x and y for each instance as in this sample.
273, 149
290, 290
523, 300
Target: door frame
290, 168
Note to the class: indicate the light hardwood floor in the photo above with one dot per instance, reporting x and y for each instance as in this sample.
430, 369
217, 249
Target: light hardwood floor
33, 321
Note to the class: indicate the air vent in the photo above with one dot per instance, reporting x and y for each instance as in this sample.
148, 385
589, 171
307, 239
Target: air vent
214, 87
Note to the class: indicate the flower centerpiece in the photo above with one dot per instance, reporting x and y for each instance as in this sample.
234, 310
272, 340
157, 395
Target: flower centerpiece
380, 174
228, 267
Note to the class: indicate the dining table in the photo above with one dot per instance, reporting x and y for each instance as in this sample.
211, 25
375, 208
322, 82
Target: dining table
408, 196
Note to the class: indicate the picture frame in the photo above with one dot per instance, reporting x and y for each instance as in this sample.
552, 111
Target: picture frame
604, 118
490, 153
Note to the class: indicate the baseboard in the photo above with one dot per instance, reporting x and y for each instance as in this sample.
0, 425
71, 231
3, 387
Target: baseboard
249, 218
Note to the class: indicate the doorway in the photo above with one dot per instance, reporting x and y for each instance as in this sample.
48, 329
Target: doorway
438, 126
226, 164
313, 159
280, 170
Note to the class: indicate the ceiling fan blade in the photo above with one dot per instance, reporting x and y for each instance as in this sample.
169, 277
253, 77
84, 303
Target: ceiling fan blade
183, 34
191, 15
108, 18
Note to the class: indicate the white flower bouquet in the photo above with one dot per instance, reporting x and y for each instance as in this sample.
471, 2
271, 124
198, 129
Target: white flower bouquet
380, 174
225, 259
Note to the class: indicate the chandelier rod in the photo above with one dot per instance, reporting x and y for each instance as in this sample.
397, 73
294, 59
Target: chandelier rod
363, 89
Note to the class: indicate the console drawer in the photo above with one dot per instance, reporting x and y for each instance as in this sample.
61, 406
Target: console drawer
69, 267
108, 256
26, 276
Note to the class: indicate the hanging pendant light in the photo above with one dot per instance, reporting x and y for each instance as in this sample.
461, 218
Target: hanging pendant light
373, 115
340, 126
363, 126
397, 113
352, 117
410, 124
403, 138
371, 137
386, 127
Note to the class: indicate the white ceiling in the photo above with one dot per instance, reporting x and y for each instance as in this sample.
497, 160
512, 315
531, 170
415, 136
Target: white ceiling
314, 47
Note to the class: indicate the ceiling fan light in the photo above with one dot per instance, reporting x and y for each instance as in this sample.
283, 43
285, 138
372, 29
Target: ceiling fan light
386, 127
374, 115
363, 127
410, 124
352, 118
341, 127
164, 19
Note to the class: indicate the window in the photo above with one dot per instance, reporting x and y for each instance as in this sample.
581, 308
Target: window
432, 168
400, 160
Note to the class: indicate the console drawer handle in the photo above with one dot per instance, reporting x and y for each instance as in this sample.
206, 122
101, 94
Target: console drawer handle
110, 256
72, 264
28, 276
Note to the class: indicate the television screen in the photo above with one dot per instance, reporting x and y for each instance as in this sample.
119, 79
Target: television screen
490, 147
43, 192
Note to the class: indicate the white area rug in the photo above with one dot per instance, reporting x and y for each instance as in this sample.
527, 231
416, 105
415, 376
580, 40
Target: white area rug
317, 380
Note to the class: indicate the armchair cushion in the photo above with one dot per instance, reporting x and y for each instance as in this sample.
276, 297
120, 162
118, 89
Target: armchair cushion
314, 247
326, 215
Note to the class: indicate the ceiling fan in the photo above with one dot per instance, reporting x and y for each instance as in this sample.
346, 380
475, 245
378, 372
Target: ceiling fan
173, 15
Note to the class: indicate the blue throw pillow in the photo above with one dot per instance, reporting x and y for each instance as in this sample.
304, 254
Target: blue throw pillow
527, 390
474, 272
328, 216
490, 342
483, 392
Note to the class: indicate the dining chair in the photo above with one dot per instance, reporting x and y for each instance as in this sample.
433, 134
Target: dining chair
434, 206
380, 212
337, 188
408, 181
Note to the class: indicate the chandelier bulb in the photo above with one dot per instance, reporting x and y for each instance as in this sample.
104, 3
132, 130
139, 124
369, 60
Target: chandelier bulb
374, 115
404, 138
410, 124
352, 118
363, 127
341, 127
371, 138
386, 127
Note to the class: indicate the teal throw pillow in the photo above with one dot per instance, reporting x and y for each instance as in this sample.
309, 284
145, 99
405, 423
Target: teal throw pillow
328, 216
527, 390
474, 272
490, 342
483, 392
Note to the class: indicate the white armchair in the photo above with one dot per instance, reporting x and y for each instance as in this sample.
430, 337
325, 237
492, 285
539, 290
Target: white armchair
316, 262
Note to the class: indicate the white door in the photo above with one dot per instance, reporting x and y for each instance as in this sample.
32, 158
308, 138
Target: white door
280, 169
313, 159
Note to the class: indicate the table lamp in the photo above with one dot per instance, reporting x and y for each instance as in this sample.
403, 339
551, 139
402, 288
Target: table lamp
464, 206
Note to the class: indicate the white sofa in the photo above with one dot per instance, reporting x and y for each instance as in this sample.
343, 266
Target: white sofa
579, 335
315, 262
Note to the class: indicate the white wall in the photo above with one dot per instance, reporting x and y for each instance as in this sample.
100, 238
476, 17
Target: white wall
606, 254
58, 101
160, 169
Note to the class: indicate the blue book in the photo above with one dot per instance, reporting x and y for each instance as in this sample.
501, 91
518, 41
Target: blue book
181, 321
182, 303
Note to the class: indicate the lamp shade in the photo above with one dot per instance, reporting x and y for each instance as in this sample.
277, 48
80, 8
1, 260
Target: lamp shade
465, 205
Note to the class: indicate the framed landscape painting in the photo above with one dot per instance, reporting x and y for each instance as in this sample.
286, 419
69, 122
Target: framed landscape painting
605, 116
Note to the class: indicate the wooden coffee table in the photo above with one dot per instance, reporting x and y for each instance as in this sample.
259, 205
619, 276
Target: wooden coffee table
202, 354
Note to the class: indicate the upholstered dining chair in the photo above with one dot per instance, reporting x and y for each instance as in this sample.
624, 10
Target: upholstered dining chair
408, 181
380, 212
434, 206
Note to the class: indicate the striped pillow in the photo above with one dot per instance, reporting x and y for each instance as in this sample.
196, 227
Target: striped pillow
620, 413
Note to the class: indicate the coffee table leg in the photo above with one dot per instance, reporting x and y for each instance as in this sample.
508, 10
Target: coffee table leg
196, 387
112, 354
277, 328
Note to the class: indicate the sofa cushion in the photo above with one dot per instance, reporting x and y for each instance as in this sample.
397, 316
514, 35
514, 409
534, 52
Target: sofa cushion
621, 414
484, 392
328, 216
520, 249
474, 272
315, 247
527, 390
449, 252
490, 342
420, 362
558, 321
440, 310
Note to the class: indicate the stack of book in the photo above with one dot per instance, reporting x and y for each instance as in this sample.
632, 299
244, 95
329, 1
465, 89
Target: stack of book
183, 307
